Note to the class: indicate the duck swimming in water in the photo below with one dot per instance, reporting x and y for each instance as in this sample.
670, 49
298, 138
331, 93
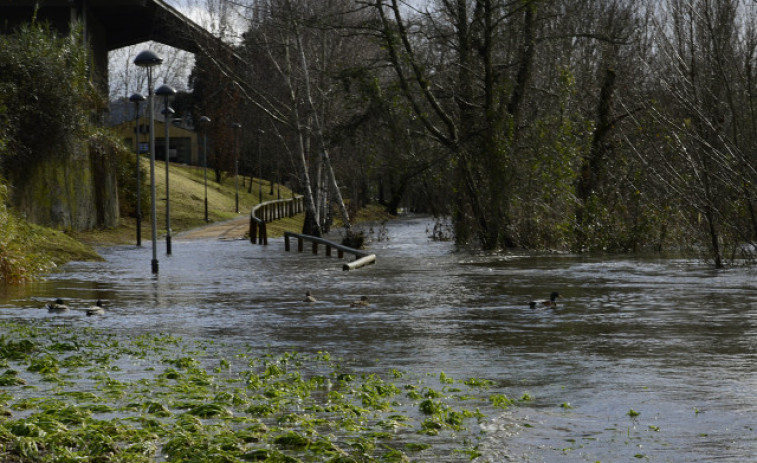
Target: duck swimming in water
545, 304
57, 306
361, 303
96, 309
309, 297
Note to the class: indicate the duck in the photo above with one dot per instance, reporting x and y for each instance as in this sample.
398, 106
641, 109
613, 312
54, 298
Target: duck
309, 297
57, 306
96, 309
543, 303
360, 303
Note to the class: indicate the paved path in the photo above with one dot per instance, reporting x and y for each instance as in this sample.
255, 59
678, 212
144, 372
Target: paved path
233, 229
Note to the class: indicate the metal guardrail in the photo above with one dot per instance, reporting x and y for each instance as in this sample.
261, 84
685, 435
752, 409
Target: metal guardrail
269, 211
362, 258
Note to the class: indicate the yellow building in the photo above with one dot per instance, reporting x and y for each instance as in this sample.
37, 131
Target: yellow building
183, 149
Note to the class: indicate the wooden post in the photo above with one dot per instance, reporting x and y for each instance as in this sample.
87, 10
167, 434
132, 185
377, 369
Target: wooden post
300, 244
286, 243
315, 247
328, 251
253, 231
340, 253
264, 233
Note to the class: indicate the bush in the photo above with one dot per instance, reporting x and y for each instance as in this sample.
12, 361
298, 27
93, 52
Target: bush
45, 88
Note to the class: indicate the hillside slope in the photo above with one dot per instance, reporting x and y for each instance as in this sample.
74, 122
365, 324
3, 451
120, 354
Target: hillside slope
187, 206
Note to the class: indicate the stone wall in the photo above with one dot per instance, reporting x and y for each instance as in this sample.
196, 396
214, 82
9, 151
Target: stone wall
77, 192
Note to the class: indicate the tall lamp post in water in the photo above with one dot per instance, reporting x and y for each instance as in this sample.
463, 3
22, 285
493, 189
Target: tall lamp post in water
236, 126
148, 59
166, 91
137, 98
203, 122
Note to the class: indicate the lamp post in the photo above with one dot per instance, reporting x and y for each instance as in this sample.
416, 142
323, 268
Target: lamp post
236, 126
137, 98
204, 121
148, 59
167, 91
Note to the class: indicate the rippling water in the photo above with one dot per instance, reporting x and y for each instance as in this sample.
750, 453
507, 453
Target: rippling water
672, 340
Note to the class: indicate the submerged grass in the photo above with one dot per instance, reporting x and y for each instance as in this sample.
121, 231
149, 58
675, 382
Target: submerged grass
89, 396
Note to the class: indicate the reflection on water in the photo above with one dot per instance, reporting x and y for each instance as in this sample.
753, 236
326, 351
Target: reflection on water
669, 339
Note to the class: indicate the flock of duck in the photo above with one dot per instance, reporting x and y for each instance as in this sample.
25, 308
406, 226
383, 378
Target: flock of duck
59, 306
550, 303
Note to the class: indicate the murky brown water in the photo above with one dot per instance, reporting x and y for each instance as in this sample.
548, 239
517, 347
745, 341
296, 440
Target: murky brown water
670, 339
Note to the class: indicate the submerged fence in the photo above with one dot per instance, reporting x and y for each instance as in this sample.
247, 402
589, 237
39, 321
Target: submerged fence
269, 211
281, 208
362, 258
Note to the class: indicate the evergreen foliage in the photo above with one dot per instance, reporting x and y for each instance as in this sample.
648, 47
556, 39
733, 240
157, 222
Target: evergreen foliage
45, 91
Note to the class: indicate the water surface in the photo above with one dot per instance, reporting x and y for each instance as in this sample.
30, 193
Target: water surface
672, 340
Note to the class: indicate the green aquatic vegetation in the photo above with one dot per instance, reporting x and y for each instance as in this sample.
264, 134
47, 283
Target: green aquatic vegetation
212, 410
391, 423
479, 382
157, 409
184, 362
45, 364
11, 378
444, 379
183, 407
81, 396
262, 409
16, 350
429, 407
431, 427
500, 401
291, 440
455, 419
417, 447
395, 456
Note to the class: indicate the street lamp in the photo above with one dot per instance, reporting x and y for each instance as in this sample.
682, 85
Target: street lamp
148, 59
137, 98
204, 121
236, 126
167, 91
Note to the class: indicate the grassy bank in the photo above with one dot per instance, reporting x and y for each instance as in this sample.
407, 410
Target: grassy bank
187, 190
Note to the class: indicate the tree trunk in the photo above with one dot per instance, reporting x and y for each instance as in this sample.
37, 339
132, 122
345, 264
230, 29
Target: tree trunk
591, 166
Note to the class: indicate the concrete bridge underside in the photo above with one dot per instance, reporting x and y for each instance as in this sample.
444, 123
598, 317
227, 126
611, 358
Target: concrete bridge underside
111, 24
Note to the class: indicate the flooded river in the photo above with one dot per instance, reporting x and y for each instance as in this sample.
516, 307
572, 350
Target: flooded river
643, 360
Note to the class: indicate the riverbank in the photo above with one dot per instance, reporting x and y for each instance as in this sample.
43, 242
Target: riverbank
187, 218
43, 248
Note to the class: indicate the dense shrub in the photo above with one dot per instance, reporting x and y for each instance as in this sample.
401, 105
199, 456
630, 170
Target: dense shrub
45, 91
